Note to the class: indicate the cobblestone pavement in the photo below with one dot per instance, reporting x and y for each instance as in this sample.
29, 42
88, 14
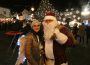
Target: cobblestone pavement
79, 55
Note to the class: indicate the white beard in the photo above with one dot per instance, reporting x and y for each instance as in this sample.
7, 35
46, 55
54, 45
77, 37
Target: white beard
48, 32
49, 29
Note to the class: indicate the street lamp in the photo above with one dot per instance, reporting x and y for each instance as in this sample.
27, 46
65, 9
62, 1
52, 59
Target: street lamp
32, 9
32, 13
86, 10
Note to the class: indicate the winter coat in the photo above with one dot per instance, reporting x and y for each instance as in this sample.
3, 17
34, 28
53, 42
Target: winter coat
32, 49
59, 49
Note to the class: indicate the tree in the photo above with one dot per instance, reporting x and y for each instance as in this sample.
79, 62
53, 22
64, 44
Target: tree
44, 7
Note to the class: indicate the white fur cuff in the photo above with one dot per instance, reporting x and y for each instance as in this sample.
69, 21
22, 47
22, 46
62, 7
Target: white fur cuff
61, 38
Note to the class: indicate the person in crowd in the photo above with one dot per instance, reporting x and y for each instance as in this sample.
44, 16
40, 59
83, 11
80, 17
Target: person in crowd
67, 21
57, 38
75, 30
30, 45
87, 34
15, 24
21, 55
26, 27
82, 32
21, 43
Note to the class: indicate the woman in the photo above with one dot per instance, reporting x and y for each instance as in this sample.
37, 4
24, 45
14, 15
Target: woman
33, 44
30, 45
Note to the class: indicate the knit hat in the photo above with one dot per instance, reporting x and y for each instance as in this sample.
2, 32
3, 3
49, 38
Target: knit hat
35, 21
50, 16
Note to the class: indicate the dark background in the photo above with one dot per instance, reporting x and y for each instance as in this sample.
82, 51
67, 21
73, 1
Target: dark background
19, 5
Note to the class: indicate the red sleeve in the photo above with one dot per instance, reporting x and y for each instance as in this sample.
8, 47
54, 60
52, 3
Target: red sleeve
67, 32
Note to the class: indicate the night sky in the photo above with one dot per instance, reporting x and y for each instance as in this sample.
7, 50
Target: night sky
64, 4
19, 5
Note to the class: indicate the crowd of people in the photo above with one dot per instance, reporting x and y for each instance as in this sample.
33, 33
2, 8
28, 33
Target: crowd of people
82, 32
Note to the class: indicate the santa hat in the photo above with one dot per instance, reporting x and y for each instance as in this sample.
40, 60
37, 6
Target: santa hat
50, 16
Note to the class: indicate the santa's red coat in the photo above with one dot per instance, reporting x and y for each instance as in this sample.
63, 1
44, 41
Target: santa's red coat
59, 50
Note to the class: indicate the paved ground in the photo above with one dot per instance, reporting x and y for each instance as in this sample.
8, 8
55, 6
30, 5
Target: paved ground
79, 55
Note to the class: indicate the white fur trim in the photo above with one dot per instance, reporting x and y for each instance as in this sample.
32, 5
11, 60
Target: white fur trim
64, 64
49, 49
50, 17
50, 62
61, 38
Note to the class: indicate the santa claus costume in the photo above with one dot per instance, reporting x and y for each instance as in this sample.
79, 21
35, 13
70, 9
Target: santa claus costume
56, 41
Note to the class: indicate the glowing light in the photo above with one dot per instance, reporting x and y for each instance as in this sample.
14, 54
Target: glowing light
31, 15
86, 22
32, 9
72, 9
66, 9
86, 9
17, 16
18, 42
77, 12
74, 16
73, 22
85, 13
61, 14
79, 18
64, 19
71, 13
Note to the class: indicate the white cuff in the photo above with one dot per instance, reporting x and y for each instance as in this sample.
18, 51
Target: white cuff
61, 38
